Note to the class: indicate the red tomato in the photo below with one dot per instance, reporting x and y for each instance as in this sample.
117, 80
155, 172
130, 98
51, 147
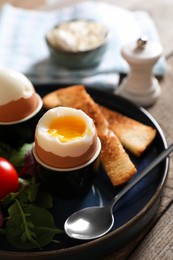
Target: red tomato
8, 178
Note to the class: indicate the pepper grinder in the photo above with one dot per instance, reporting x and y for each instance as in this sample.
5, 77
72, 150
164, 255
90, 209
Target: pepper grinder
141, 86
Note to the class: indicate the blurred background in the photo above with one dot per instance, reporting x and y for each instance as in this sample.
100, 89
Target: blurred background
163, 20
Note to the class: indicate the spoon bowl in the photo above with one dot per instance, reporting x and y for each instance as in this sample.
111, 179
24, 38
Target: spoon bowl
94, 222
79, 228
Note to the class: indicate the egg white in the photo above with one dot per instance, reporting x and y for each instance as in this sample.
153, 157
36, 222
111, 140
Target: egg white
72, 148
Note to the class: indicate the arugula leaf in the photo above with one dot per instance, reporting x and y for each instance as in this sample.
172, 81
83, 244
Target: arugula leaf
30, 227
9, 199
29, 224
32, 190
16, 157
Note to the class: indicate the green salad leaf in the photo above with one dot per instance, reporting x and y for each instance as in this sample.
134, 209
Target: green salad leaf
16, 157
28, 223
30, 227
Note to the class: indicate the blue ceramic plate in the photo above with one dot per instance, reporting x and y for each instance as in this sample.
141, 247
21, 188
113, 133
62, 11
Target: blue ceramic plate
131, 213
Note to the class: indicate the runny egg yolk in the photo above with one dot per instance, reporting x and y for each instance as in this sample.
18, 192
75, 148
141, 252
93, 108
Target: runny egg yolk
67, 128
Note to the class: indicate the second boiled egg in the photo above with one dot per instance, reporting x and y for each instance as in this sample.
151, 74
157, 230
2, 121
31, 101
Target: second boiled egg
65, 137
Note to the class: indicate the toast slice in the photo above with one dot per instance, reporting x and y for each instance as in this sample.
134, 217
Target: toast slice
114, 158
133, 135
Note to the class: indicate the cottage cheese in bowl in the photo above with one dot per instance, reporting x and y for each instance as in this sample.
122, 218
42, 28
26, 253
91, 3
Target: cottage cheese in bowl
77, 36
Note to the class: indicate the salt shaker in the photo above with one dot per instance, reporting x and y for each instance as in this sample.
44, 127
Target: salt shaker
141, 86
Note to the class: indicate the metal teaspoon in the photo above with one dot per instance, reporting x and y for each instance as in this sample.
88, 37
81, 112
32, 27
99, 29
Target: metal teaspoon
94, 222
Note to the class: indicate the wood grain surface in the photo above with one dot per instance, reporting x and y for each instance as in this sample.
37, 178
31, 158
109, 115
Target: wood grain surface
156, 241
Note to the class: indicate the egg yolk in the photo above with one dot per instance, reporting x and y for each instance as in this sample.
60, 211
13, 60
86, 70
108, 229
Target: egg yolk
67, 128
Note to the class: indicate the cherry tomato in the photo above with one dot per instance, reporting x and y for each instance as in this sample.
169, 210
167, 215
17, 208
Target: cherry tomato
8, 178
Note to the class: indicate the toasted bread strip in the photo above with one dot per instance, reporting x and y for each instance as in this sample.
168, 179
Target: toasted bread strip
115, 160
133, 135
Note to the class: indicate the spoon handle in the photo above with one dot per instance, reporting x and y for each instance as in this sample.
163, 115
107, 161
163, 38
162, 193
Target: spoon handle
142, 174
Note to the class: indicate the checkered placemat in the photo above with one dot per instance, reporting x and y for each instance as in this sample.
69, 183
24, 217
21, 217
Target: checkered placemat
23, 46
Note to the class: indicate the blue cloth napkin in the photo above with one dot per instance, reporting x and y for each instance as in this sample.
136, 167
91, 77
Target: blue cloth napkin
23, 46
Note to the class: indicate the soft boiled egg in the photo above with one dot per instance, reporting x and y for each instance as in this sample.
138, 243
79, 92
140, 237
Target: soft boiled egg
18, 98
65, 138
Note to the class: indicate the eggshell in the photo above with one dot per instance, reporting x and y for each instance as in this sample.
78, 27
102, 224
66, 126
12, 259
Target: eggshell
54, 160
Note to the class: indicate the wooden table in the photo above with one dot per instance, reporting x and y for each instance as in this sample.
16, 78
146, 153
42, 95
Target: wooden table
156, 242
